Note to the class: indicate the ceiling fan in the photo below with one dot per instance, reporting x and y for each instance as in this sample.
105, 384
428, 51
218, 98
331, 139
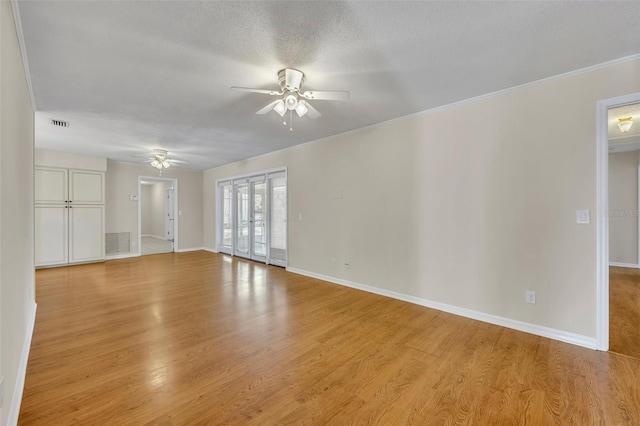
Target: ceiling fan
291, 96
160, 159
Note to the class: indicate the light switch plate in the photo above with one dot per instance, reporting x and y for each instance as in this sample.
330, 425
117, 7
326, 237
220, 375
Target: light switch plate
583, 217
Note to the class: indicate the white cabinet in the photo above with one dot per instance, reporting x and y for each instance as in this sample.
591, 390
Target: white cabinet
69, 216
51, 185
52, 230
86, 233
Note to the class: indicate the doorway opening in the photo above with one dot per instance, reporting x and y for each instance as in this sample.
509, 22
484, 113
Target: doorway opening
624, 228
252, 217
157, 215
614, 240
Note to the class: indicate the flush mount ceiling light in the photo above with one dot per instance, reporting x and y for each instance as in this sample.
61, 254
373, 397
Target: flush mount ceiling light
624, 124
293, 98
161, 161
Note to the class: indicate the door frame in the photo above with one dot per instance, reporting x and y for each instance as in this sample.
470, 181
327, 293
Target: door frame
176, 215
602, 219
170, 208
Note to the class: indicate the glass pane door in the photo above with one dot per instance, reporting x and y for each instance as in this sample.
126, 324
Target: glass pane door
226, 242
242, 219
278, 219
258, 220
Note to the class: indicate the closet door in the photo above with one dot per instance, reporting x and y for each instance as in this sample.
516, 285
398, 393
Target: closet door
51, 233
50, 185
86, 187
86, 233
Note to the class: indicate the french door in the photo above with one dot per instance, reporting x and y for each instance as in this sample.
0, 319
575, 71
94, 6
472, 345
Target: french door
251, 218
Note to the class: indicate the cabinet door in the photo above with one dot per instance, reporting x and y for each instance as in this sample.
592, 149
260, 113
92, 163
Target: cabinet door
51, 231
86, 187
86, 233
50, 185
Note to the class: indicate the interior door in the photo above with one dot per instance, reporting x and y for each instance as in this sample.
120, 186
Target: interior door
169, 216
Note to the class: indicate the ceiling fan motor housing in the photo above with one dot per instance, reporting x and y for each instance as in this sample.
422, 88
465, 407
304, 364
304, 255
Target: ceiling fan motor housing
293, 82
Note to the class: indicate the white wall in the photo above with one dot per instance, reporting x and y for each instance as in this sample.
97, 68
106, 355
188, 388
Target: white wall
623, 207
468, 205
121, 214
45, 157
17, 307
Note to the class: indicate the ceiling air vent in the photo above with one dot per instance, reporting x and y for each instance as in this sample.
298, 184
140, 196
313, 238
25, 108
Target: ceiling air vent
59, 123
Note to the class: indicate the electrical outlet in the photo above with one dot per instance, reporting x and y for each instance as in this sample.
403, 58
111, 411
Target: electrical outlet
133, 243
333, 261
531, 296
347, 264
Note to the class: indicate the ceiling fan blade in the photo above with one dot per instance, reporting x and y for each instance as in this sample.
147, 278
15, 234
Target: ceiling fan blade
293, 79
312, 112
268, 107
326, 95
250, 90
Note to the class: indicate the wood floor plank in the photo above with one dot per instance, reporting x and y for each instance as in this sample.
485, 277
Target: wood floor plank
203, 338
624, 311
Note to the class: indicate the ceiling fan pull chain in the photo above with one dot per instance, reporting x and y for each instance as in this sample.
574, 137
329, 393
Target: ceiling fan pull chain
291, 120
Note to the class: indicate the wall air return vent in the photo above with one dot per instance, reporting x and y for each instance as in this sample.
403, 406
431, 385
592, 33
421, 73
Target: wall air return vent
59, 123
117, 242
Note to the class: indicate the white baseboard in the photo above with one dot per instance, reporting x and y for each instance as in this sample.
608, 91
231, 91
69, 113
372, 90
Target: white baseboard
624, 265
184, 250
551, 333
14, 409
121, 256
210, 249
154, 236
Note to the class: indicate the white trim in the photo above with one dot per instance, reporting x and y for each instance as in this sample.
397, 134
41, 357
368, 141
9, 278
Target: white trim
154, 236
25, 61
624, 265
121, 256
602, 219
185, 250
455, 104
538, 330
145, 235
210, 250
14, 409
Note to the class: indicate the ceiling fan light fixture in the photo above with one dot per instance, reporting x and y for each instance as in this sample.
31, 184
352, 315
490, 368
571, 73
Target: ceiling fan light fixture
291, 101
624, 124
166, 164
280, 108
155, 163
301, 109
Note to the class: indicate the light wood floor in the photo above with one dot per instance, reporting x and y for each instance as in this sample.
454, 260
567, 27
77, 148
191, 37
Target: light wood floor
624, 311
199, 338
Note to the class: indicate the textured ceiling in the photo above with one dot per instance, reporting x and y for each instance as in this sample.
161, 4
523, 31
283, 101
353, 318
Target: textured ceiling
131, 76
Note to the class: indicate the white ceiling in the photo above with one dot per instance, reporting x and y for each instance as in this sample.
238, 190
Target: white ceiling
131, 76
